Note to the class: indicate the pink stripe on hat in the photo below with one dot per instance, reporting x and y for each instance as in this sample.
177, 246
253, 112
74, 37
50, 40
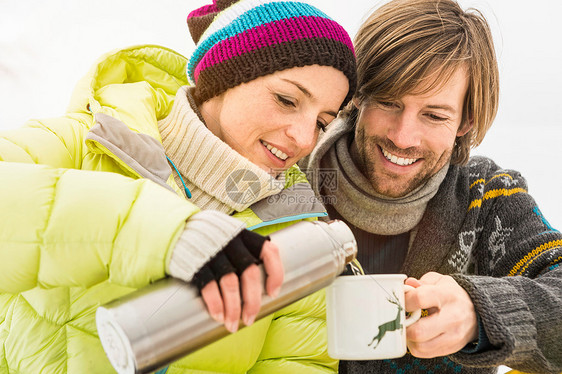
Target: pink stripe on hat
204, 10
271, 34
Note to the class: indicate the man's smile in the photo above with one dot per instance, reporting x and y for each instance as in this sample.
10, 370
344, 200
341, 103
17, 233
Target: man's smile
401, 161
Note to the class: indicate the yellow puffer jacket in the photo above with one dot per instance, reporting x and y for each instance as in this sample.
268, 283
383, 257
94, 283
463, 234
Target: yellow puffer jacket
83, 224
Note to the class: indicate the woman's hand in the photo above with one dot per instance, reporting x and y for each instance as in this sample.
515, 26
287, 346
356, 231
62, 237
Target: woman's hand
231, 283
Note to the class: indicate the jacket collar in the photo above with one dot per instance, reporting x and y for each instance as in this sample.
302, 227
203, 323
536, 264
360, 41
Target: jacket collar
141, 155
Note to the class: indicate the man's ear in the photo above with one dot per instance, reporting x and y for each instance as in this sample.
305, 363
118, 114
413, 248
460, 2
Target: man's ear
465, 127
356, 102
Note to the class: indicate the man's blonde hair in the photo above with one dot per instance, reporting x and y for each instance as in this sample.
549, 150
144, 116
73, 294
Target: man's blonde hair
406, 43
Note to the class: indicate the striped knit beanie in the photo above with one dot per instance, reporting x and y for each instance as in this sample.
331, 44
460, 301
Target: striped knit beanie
239, 41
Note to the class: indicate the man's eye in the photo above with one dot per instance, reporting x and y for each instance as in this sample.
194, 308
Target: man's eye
285, 101
435, 117
387, 104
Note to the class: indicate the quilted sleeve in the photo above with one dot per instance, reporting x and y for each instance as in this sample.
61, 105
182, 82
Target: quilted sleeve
64, 227
56, 142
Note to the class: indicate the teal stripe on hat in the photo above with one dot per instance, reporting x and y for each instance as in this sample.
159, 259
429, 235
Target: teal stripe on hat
259, 15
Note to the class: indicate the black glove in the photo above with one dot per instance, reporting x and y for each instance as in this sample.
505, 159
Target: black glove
241, 252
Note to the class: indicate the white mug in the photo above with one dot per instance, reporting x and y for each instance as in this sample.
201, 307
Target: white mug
366, 318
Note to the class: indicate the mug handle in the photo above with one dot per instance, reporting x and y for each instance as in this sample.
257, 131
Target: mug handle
416, 314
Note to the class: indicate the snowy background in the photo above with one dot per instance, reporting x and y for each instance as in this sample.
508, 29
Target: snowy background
46, 46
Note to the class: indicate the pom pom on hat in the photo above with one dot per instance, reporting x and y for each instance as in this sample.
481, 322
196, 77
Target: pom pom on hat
200, 19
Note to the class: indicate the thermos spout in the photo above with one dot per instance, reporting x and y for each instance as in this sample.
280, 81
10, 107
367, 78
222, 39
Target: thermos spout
343, 235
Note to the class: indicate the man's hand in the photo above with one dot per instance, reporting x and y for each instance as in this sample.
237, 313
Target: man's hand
451, 323
235, 296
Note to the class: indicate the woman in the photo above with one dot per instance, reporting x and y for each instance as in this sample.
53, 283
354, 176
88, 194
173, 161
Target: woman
87, 211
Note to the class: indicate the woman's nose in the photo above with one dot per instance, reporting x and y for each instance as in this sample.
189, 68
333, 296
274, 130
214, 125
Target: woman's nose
303, 134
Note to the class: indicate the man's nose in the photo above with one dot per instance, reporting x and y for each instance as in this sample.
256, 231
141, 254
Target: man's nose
405, 131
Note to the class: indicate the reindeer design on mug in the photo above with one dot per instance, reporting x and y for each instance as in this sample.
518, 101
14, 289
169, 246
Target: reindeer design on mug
393, 325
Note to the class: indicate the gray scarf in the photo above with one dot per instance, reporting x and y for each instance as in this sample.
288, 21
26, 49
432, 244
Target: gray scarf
354, 197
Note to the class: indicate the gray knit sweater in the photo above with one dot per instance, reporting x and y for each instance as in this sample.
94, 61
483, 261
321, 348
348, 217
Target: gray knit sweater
485, 230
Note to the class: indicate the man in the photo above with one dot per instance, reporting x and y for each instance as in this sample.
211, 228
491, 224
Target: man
484, 261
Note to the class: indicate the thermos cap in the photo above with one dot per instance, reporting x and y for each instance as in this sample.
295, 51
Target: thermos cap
115, 342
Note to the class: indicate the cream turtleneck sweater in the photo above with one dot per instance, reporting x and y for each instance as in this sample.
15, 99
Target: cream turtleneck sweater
221, 181
218, 177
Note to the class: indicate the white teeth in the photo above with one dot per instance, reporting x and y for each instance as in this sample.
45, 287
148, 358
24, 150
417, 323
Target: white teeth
277, 152
398, 160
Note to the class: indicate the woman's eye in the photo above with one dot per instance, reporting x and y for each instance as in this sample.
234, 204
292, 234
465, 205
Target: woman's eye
285, 101
321, 125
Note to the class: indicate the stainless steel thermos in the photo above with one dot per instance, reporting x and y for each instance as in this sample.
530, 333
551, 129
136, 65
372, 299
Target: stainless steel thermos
165, 321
